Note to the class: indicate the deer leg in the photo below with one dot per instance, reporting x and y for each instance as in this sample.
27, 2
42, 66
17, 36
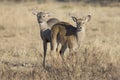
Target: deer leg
53, 41
57, 49
45, 49
51, 45
63, 48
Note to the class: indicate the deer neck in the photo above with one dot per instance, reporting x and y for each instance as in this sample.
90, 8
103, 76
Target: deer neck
43, 26
81, 36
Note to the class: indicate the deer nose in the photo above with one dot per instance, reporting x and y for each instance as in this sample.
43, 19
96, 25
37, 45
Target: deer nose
79, 28
39, 21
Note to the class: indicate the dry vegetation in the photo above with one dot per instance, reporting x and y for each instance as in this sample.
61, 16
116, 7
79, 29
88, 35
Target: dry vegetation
21, 49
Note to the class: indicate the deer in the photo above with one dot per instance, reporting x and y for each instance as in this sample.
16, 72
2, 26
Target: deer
45, 28
69, 36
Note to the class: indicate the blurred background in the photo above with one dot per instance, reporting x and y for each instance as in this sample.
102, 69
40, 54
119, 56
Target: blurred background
21, 50
44, 1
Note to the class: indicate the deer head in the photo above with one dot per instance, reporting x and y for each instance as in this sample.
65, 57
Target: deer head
41, 16
81, 21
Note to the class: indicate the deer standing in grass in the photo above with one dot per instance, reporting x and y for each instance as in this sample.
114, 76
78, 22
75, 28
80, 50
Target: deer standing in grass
45, 28
69, 36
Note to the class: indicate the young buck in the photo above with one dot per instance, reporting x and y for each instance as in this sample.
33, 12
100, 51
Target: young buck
45, 28
69, 36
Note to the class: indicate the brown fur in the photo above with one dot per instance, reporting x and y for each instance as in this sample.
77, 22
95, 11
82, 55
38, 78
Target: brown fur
69, 36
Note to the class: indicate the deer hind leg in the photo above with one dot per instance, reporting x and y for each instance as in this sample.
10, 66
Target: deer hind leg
45, 50
63, 48
58, 47
54, 42
53, 46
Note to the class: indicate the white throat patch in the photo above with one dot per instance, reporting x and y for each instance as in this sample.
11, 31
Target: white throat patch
44, 26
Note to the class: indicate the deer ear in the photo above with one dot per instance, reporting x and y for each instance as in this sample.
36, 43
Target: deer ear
34, 12
87, 18
74, 19
48, 14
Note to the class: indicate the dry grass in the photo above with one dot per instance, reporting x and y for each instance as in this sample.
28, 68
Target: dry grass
21, 49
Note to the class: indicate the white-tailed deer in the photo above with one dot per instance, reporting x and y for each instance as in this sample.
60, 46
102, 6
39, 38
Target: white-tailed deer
45, 28
69, 36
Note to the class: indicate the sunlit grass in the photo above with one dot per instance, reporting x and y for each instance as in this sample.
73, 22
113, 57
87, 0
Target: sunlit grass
21, 52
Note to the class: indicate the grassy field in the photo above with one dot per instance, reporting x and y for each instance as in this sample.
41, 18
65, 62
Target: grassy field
21, 51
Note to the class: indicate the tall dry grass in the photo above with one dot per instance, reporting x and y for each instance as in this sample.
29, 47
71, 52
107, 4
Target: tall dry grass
21, 51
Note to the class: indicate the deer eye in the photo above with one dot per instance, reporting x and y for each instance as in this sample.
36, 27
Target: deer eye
79, 23
43, 16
